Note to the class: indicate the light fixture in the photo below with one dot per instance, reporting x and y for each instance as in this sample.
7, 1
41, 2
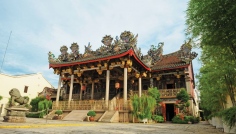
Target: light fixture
117, 85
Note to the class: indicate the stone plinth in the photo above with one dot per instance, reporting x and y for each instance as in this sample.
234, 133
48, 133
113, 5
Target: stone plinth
14, 119
15, 115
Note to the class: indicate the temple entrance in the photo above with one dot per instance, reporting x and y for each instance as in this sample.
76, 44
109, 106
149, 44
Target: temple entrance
169, 112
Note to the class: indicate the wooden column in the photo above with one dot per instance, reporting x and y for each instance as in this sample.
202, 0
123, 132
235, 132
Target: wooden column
107, 86
71, 87
58, 90
125, 85
139, 87
92, 92
80, 95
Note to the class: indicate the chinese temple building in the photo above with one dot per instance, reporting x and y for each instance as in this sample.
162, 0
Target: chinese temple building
103, 79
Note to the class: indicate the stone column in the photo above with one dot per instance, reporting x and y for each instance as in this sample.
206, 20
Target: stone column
151, 82
58, 90
139, 87
188, 85
107, 87
80, 95
92, 92
71, 87
125, 85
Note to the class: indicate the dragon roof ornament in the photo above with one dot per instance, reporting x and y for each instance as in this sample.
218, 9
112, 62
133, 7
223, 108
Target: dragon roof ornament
110, 47
185, 52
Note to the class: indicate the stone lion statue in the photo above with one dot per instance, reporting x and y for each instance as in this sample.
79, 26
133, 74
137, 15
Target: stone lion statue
16, 97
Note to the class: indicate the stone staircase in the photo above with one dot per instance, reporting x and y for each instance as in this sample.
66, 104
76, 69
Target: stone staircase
107, 116
76, 115
51, 115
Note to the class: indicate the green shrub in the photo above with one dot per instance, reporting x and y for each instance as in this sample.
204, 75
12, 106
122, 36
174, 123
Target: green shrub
178, 120
59, 112
183, 96
158, 118
32, 115
34, 103
154, 92
44, 106
91, 113
229, 116
142, 107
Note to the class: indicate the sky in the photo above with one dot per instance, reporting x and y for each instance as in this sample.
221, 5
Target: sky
40, 26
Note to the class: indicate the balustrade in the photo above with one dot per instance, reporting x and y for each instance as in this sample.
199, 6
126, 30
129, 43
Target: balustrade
164, 93
119, 104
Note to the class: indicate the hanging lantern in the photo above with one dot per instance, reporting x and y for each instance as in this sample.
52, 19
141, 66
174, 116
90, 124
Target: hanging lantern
158, 78
83, 87
178, 76
129, 69
117, 85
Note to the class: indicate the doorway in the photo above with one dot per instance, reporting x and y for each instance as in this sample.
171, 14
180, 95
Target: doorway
170, 113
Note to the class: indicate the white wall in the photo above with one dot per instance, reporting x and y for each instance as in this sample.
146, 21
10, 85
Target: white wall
35, 83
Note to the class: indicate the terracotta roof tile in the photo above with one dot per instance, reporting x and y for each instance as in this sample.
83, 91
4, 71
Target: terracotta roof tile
168, 61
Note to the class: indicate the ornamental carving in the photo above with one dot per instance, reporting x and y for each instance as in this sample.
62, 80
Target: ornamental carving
156, 52
64, 54
110, 47
147, 60
120, 44
51, 58
185, 52
128, 39
74, 55
107, 40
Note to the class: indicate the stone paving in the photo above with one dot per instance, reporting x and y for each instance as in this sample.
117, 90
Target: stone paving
40, 126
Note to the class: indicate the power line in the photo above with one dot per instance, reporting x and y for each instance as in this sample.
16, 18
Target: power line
5, 52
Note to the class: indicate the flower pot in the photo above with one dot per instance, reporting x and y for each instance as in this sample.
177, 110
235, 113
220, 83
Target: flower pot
91, 118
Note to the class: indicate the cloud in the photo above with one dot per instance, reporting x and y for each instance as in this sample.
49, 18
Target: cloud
42, 26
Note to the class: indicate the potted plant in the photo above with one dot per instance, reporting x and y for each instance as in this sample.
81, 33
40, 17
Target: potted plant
58, 112
91, 115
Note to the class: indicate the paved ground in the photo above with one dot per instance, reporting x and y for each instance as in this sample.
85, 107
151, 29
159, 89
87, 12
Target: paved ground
40, 126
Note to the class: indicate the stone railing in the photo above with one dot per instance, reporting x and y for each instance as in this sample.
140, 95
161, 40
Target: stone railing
169, 93
92, 105
164, 93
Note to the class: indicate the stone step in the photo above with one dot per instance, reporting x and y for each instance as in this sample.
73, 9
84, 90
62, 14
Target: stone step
108, 116
76, 115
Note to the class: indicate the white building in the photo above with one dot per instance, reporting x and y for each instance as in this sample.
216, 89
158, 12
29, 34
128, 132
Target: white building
28, 85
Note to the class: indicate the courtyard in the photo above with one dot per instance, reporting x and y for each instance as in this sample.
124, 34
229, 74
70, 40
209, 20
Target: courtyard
40, 126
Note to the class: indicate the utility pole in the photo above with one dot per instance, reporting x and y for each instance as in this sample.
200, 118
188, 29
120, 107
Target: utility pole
5, 52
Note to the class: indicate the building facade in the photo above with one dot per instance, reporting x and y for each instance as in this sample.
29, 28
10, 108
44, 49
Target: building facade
28, 85
108, 75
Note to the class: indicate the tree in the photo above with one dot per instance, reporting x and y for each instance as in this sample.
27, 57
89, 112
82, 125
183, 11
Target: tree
142, 107
0, 97
183, 97
212, 25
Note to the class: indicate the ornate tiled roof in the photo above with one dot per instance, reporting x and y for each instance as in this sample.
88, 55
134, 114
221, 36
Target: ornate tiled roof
169, 61
127, 44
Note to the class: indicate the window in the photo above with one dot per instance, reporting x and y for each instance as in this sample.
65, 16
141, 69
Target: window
26, 89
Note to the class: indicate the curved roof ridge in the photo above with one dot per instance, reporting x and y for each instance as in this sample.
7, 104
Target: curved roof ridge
173, 53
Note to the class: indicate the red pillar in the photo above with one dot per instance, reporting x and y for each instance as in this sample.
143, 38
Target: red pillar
163, 105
